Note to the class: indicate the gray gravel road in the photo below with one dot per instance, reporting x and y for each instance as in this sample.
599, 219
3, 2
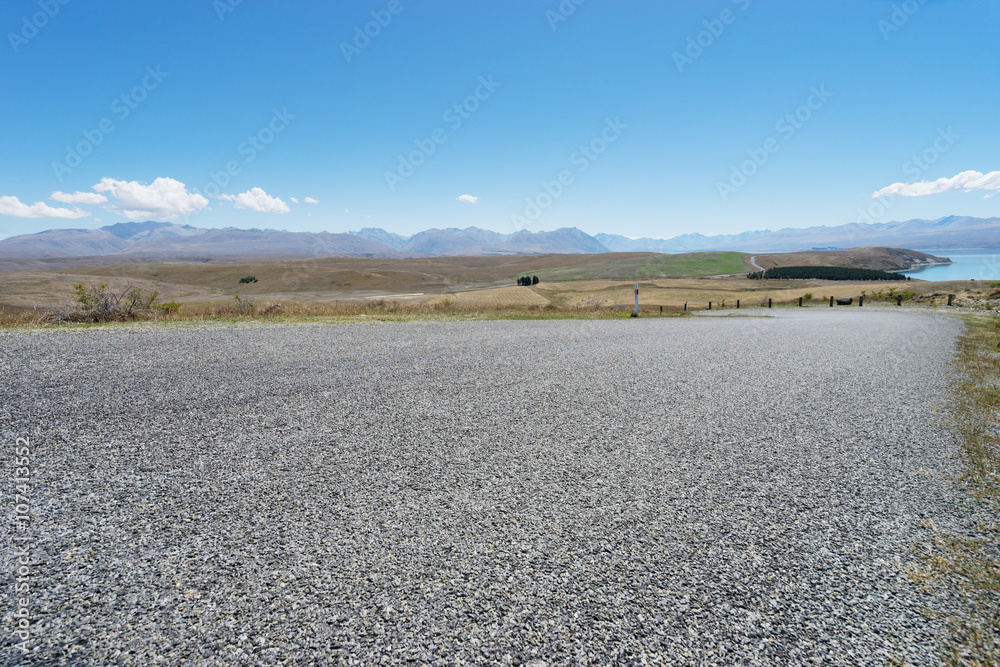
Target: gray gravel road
681, 491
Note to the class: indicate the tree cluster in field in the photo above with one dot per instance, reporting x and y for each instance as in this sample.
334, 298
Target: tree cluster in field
823, 273
527, 281
246, 280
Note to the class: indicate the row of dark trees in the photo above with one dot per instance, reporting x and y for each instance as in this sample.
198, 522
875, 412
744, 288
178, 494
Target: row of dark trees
823, 273
527, 281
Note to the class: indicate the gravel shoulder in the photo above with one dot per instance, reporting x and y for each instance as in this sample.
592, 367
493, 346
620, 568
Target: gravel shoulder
681, 491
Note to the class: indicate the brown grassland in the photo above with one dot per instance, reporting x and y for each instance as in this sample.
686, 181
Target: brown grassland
344, 287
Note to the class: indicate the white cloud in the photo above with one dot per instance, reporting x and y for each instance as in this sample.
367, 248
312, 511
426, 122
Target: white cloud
78, 198
310, 200
13, 207
164, 198
468, 199
256, 199
964, 182
295, 200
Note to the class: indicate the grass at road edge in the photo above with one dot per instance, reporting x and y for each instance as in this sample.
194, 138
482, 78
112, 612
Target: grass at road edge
964, 565
358, 311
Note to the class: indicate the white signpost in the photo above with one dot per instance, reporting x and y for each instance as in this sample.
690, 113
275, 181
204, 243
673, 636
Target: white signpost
636, 313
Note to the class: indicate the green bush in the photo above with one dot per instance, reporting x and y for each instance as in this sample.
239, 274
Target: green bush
246, 280
101, 304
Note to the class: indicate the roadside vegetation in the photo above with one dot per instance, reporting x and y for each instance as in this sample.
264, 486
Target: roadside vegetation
124, 302
970, 565
99, 304
888, 295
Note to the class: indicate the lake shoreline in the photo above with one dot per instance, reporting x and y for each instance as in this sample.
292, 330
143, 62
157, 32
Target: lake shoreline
963, 264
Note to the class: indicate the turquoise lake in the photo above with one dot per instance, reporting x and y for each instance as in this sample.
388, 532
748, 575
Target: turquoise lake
968, 264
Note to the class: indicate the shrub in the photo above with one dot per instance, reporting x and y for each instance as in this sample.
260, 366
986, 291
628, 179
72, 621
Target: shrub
807, 296
242, 306
169, 308
889, 295
246, 280
102, 304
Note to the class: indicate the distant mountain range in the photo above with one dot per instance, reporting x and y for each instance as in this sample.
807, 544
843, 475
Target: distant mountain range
950, 232
163, 239
130, 240
475, 241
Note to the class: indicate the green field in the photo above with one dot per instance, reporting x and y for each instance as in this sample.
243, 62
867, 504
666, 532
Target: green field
687, 265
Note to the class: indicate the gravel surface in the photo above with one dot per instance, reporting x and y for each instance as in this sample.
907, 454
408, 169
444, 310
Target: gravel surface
681, 491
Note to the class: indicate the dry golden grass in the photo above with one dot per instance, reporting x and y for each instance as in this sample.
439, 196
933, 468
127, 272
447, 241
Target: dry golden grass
498, 297
698, 292
324, 279
249, 310
54, 289
463, 281
574, 298
968, 565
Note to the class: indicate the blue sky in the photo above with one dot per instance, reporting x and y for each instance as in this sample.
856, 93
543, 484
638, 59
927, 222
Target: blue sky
640, 118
